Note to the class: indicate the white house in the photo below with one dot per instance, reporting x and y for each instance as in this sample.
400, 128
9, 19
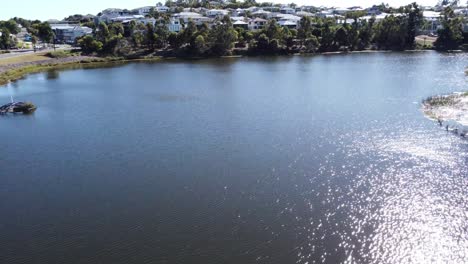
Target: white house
340, 10
174, 25
143, 10
305, 14
162, 9
241, 24
288, 24
287, 10
261, 13
217, 13
238, 12
433, 22
198, 19
325, 13
257, 23
136, 18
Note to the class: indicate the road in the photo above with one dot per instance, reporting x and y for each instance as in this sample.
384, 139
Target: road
18, 53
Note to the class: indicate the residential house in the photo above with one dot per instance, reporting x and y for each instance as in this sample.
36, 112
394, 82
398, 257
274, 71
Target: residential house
289, 24
261, 13
136, 18
238, 12
197, 18
287, 10
431, 22
257, 23
241, 24
304, 14
174, 25
373, 11
68, 33
217, 13
162, 9
110, 13
340, 11
143, 10
325, 14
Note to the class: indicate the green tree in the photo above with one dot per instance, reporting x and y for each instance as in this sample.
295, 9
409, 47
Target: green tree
390, 33
151, 36
44, 32
341, 36
116, 29
312, 44
103, 33
5, 41
11, 25
305, 29
200, 45
222, 37
414, 21
89, 45
451, 34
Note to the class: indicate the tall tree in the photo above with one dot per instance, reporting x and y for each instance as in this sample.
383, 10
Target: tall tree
222, 37
451, 34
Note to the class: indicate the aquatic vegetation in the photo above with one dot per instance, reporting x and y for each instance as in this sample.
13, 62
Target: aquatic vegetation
444, 108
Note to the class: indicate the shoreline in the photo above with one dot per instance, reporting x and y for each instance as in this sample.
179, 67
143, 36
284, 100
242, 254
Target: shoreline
449, 111
16, 71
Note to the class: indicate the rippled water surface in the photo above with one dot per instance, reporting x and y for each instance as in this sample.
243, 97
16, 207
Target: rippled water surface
323, 159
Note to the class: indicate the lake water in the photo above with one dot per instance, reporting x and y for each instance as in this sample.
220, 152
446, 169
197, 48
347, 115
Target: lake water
316, 159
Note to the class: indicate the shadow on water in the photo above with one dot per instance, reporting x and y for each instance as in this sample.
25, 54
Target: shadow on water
52, 74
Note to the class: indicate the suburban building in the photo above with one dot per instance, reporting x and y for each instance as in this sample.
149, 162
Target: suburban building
136, 18
143, 10
432, 22
261, 13
67, 33
241, 24
217, 13
197, 18
108, 14
162, 9
287, 10
288, 24
174, 25
257, 23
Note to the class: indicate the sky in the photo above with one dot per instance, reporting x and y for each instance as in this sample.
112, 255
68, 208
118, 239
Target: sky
59, 9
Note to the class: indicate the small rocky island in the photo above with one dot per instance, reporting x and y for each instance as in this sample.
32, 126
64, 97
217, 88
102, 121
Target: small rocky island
18, 107
450, 111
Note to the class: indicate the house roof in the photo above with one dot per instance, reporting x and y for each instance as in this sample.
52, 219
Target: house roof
261, 12
287, 23
187, 14
287, 17
304, 13
259, 20
431, 14
238, 22
237, 18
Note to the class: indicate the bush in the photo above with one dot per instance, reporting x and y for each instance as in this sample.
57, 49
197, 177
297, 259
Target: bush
58, 54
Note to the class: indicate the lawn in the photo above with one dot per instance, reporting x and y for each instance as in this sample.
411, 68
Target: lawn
24, 58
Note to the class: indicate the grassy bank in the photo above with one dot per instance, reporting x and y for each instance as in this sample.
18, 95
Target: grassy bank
24, 58
24, 66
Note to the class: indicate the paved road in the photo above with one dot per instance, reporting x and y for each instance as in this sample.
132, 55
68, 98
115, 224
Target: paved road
17, 53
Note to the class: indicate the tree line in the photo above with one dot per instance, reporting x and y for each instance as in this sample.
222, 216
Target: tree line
37, 29
395, 32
